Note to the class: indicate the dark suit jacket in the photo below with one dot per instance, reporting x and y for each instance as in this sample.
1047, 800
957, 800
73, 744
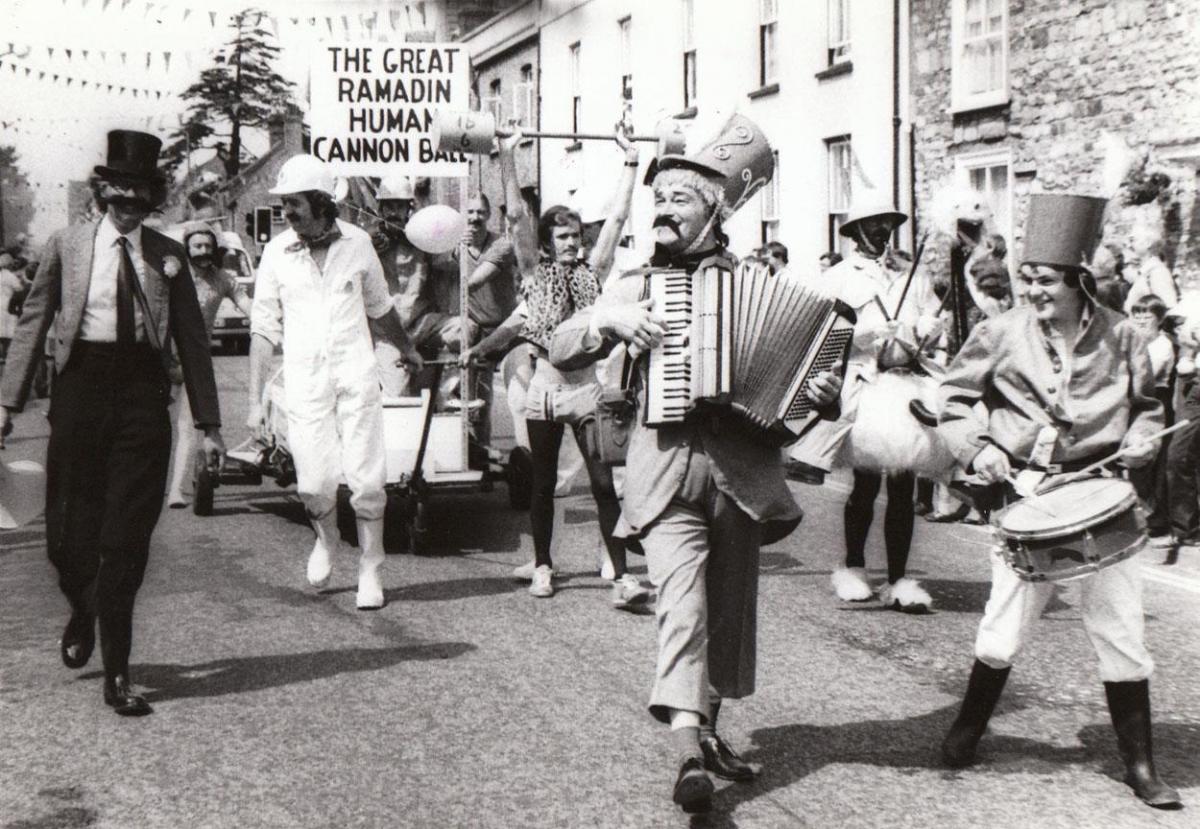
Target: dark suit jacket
61, 287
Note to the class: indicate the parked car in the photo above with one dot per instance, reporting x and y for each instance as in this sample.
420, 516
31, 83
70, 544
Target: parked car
231, 331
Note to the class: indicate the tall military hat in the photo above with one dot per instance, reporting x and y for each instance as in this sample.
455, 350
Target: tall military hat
1063, 230
738, 157
132, 155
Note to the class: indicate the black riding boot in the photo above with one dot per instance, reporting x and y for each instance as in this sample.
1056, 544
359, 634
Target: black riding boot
1129, 706
983, 691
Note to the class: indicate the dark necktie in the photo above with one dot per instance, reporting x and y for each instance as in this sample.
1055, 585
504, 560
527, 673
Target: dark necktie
126, 334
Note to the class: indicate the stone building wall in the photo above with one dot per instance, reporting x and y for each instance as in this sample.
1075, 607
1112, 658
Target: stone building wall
1076, 68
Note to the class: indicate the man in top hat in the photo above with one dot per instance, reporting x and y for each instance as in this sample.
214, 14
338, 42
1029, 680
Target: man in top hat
702, 494
402, 264
872, 281
318, 284
1064, 381
121, 291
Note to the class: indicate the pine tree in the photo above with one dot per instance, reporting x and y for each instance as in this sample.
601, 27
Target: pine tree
240, 90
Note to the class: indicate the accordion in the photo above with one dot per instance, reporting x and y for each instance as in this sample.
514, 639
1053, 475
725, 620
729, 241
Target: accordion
744, 339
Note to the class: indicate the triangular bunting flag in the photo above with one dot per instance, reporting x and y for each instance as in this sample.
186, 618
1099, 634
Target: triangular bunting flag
212, 19
186, 14
158, 96
295, 21
167, 60
148, 55
68, 51
69, 81
125, 3
346, 23
55, 78
394, 18
105, 6
83, 84
50, 51
85, 54
109, 88
27, 71
41, 75
329, 23
124, 55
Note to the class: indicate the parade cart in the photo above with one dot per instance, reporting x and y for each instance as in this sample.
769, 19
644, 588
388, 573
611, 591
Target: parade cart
428, 446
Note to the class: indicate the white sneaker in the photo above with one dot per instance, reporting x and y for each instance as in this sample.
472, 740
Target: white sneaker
628, 593
906, 595
850, 584
525, 571
370, 561
542, 587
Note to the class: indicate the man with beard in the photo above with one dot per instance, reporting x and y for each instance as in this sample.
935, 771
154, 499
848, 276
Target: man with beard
318, 282
120, 290
402, 264
432, 303
700, 495
213, 285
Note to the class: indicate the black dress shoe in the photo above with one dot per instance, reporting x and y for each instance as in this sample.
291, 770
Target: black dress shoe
120, 696
78, 640
693, 788
724, 762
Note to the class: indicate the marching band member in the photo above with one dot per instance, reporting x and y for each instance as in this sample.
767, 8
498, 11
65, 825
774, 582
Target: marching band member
1064, 382
867, 282
699, 493
318, 283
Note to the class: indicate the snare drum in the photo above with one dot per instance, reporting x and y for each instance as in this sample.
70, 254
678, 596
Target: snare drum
1071, 531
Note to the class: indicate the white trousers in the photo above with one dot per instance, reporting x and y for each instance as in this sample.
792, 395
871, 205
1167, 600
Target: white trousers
335, 429
1111, 605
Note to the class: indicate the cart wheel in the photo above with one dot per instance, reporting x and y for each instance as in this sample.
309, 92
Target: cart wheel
418, 528
203, 482
520, 478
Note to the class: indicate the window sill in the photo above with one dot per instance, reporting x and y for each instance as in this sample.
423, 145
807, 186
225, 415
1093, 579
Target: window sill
686, 114
573, 147
844, 67
981, 102
763, 91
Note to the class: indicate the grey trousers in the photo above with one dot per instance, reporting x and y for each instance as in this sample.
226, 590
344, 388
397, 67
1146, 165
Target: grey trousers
702, 556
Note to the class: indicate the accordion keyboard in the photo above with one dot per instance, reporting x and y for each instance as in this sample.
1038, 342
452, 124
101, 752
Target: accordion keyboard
670, 368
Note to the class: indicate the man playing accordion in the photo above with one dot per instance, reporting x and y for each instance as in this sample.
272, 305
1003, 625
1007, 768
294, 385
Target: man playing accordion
700, 494
1064, 382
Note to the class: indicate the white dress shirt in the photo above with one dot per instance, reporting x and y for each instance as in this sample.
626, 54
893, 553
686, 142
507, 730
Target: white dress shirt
99, 323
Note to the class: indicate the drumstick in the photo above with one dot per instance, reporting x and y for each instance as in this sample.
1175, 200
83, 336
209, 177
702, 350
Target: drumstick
1092, 467
1028, 494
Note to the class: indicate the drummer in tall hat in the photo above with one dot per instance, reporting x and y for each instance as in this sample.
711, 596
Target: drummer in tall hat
1064, 382
892, 316
120, 291
700, 495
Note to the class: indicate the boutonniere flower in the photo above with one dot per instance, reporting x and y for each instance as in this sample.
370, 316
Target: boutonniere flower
171, 267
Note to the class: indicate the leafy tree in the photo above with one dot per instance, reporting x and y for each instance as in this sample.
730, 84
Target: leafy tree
16, 197
240, 90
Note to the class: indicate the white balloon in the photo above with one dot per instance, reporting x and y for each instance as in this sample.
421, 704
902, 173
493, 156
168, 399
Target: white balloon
436, 228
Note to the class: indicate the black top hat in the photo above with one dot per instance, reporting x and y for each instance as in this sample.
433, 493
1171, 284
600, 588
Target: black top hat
132, 155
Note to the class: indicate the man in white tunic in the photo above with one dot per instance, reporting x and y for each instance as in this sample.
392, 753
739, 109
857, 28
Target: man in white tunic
317, 284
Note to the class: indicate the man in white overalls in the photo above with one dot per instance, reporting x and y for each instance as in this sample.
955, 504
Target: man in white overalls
317, 284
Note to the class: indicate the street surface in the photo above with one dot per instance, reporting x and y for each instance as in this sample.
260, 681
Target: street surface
465, 702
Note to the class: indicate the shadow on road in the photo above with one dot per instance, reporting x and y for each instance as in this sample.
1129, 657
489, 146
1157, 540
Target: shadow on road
256, 673
792, 752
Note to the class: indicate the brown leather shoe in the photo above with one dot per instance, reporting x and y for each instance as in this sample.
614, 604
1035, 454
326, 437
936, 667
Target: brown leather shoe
120, 696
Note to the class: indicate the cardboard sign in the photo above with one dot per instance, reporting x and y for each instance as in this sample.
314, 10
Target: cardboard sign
373, 105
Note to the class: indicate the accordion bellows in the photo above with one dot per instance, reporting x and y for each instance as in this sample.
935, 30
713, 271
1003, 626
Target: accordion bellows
745, 339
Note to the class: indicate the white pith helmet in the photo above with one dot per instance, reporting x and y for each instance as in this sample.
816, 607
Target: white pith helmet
395, 186
302, 173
